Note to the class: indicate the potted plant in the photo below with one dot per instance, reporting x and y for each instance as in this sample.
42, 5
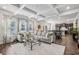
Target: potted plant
74, 34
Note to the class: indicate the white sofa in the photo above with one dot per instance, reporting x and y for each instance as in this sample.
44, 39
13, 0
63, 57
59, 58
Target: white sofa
47, 39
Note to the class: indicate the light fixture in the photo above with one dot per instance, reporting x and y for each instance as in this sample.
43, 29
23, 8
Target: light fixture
67, 7
4, 7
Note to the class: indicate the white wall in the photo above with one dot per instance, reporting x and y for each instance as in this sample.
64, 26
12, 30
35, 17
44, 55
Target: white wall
50, 24
53, 23
2, 27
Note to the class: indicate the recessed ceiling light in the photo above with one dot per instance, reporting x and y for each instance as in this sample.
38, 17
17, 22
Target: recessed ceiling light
4, 7
68, 7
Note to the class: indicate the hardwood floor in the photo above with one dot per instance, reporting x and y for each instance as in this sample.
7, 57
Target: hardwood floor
71, 46
3, 47
67, 41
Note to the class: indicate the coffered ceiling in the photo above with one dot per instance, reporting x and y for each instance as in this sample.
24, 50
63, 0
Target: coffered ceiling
42, 11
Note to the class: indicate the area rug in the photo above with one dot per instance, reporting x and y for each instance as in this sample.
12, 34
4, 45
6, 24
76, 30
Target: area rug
43, 49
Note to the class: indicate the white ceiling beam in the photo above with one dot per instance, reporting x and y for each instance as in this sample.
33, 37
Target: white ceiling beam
77, 16
54, 8
51, 7
62, 5
43, 11
70, 12
19, 9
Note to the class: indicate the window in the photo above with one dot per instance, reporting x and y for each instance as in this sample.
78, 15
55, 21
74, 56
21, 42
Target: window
12, 27
22, 26
30, 26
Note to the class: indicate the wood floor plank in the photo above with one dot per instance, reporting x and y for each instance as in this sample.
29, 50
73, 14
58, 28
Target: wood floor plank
67, 41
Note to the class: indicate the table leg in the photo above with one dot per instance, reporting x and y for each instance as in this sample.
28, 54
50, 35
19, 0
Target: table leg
31, 46
39, 43
24, 43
